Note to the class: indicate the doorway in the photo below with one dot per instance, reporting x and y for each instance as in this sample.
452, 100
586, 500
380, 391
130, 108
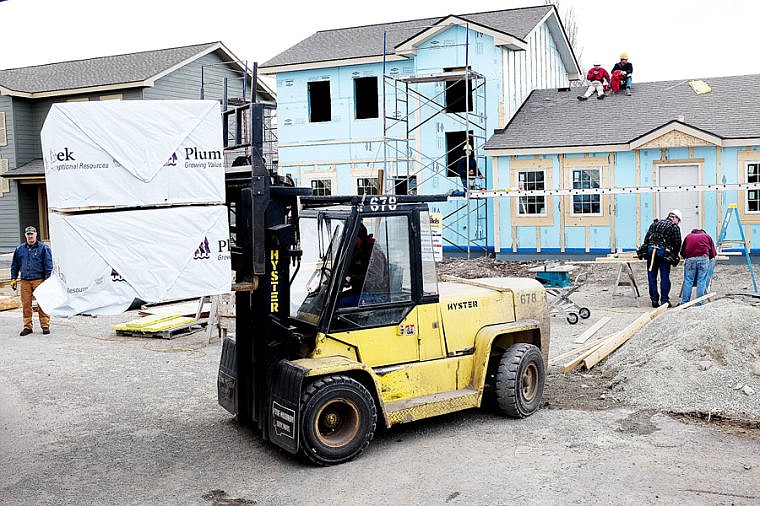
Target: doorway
689, 202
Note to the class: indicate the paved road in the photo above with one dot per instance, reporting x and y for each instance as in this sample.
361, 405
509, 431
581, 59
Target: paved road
90, 418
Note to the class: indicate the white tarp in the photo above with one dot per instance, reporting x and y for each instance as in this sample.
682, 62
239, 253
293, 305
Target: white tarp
133, 153
103, 261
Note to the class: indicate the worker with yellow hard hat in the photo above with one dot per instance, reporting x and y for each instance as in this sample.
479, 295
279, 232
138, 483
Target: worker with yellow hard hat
624, 69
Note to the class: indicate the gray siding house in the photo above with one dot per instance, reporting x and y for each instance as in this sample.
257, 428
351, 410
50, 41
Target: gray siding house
27, 93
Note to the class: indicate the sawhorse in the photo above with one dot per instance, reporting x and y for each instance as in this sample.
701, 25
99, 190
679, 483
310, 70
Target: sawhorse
625, 271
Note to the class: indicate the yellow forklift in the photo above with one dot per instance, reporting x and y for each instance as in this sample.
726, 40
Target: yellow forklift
324, 352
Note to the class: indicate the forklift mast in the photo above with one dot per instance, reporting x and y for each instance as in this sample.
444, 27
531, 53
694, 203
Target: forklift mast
263, 209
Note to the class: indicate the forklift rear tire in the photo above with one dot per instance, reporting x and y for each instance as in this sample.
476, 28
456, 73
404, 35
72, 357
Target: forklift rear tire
520, 380
338, 420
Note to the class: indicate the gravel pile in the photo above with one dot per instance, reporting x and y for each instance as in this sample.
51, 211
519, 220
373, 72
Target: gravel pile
701, 360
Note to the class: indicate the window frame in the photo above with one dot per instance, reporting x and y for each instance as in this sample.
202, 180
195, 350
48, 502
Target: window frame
361, 188
597, 197
329, 186
521, 186
746, 193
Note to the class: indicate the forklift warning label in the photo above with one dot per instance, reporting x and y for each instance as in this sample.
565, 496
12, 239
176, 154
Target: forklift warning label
283, 420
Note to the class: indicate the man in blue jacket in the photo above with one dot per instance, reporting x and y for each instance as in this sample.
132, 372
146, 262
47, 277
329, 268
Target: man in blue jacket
33, 261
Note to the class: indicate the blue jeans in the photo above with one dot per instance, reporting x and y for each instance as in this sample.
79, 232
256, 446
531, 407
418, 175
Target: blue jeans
659, 268
695, 269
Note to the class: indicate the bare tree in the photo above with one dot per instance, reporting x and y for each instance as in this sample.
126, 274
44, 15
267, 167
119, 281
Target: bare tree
569, 21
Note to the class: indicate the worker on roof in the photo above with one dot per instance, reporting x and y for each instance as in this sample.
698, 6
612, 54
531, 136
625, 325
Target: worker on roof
621, 75
599, 80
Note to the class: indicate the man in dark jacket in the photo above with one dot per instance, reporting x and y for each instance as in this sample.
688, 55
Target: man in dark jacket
623, 78
32, 261
661, 246
698, 249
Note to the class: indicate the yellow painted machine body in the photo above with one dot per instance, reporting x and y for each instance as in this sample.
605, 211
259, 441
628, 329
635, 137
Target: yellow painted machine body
436, 360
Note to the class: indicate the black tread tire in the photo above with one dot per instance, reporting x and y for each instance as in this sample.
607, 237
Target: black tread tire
520, 380
572, 318
584, 313
354, 409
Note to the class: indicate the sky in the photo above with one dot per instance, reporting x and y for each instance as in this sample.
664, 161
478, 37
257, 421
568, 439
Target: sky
665, 39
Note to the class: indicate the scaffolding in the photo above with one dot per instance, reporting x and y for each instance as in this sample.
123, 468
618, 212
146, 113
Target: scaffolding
413, 101
242, 130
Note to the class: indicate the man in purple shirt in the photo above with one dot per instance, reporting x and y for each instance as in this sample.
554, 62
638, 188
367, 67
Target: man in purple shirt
698, 251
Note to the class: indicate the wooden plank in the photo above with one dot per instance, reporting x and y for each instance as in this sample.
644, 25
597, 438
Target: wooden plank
577, 350
580, 358
696, 301
625, 334
8, 302
592, 330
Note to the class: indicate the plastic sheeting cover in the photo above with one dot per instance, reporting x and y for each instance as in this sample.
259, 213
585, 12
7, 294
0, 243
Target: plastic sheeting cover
103, 261
133, 153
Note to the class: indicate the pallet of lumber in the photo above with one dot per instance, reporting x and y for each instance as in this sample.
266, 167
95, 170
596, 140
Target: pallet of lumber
9, 302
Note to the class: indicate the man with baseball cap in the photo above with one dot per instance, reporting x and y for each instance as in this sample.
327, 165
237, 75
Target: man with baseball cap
33, 262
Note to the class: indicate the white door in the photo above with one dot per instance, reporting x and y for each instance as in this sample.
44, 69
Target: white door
687, 201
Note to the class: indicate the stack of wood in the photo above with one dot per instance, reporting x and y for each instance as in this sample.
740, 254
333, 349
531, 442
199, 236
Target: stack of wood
591, 353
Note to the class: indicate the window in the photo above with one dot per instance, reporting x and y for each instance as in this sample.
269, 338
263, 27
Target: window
3, 130
319, 101
366, 186
531, 205
753, 196
456, 101
365, 97
586, 204
321, 187
405, 185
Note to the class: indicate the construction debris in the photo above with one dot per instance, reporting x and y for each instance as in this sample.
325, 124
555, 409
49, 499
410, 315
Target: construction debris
9, 302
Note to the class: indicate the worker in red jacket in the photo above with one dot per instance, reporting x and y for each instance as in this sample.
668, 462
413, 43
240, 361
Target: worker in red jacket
598, 78
698, 249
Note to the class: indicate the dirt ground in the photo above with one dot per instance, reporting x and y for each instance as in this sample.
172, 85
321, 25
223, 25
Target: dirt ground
89, 417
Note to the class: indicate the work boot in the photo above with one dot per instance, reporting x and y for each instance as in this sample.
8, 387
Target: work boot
655, 304
600, 97
628, 91
46, 330
582, 98
25, 332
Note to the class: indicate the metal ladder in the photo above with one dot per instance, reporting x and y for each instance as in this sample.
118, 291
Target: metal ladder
732, 211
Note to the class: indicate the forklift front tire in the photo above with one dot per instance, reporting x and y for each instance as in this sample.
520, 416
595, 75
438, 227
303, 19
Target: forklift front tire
338, 420
520, 380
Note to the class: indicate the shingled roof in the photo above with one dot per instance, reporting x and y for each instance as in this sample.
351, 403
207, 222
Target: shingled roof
119, 71
557, 119
367, 41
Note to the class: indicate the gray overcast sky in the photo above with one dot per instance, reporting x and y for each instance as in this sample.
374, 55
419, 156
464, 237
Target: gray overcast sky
665, 39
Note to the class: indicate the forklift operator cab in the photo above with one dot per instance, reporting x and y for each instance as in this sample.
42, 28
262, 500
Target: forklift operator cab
381, 259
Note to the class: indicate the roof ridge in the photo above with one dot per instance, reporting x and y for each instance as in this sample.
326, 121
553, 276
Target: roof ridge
206, 44
432, 17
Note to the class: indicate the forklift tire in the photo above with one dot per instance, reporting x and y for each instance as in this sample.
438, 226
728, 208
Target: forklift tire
338, 420
520, 380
